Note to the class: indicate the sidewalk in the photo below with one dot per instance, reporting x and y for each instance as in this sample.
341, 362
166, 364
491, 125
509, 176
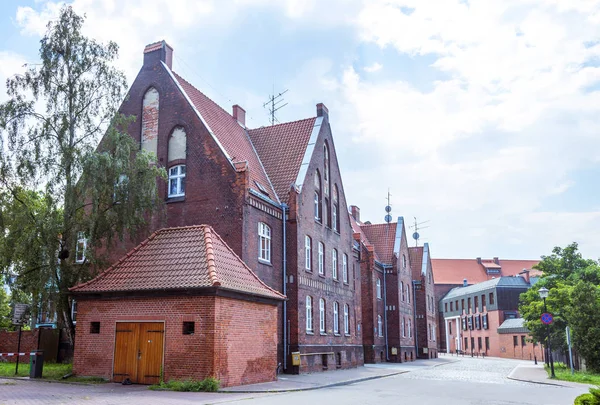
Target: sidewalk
312, 381
536, 374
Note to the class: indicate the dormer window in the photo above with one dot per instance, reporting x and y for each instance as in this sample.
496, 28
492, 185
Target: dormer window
261, 188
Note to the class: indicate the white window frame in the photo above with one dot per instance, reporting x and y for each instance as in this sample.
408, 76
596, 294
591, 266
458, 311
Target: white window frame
345, 268
433, 332
407, 293
378, 286
317, 206
309, 319
346, 319
409, 328
321, 259
264, 242
179, 178
334, 217
402, 290
322, 315
74, 311
308, 253
379, 326
80, 247
334, 264
336, 318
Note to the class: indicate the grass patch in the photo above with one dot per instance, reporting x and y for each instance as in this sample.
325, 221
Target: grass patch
209, 384
52, 371
563, 373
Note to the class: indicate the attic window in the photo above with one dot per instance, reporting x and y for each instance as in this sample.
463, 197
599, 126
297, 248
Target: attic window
261, 188
492, 270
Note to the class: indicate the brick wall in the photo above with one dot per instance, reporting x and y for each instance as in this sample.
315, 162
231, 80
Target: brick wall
507, 348
185, 356
9, 342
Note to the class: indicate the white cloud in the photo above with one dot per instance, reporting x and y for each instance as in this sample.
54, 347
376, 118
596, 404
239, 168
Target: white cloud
373, 68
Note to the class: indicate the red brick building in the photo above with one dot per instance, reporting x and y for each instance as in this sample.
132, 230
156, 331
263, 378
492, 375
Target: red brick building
483, 318
451, 273
426, 311
275, 196
387, 293
180, 305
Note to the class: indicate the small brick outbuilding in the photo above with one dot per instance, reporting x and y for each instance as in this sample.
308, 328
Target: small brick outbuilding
180, 305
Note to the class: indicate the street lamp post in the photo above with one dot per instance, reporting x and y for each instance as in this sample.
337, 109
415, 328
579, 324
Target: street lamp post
543, 295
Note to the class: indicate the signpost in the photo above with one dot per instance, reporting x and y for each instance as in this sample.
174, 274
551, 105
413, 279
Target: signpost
570, 351
20, 315
546, 318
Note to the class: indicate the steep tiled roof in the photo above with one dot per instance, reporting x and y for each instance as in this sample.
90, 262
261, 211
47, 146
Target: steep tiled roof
415, 254
179, 258
382, 237
453, 271
230, 134
281, 149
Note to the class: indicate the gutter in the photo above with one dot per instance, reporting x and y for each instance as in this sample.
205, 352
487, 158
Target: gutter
284, 208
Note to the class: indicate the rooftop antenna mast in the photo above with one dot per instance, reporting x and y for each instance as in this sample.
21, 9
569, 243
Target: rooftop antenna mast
274, 105
417, 226
388, 208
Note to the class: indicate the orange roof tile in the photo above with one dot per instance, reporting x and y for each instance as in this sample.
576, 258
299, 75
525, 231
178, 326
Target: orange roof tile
453, 271
382, 236
180, 258
281, 149
231, 135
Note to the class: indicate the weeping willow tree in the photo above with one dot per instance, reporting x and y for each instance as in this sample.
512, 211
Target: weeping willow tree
72, 181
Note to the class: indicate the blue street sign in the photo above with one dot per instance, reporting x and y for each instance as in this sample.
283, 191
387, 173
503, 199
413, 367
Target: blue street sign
547, 318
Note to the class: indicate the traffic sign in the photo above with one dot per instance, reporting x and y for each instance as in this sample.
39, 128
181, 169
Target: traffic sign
547, 318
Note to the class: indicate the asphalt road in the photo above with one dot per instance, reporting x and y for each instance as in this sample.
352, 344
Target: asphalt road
468, 381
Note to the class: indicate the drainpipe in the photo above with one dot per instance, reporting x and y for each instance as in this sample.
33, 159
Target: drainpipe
284, 207
414, 283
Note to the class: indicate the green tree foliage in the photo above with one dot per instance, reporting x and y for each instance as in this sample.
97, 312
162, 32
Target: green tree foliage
574, 300
55, 181
5, 321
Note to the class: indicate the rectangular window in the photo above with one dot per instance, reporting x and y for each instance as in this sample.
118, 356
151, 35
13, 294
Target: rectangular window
189, 328
309, 319
307, 253
80, 247
321, 259
491, 298
484, 320
322, 315
450, 328
445, 307
464, 323
434, 333
345, 268
515, 340
378, 285
380, 326
264, 242
346, 319
479, 345
74, 311
470, 322
466, 343
472, 343
523, 342
334, 264
476, 309
483, 302
462, 305
94, 327
487, 343
177, 181
477, 322
336, 318
469, 304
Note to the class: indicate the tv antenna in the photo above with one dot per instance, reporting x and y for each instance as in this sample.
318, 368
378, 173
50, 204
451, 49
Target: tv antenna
388, 208
417, 226
274, 105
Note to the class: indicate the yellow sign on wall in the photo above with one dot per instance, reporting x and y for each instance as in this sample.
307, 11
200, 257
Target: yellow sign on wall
295, 358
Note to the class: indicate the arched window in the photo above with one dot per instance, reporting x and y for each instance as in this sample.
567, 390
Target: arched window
403, 328
307, 253
409, 328
335, 209
345, 268
317, 196
408, 293
379, 326
309, 320
403, 261
346, 319
402, 290
264, 246
177, 145
326, 168
177, 181
322, 315
321, 258
149, 136
336, 318
334, 264
378, 289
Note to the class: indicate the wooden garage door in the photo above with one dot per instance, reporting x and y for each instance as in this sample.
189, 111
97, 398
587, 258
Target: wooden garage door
139, 352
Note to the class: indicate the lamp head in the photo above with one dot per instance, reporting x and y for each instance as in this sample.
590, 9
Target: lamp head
543, 292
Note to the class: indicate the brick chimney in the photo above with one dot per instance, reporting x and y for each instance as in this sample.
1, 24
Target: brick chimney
322, 111
240, 115
158, 52
525, 275
479, 260
355, 212
496, 260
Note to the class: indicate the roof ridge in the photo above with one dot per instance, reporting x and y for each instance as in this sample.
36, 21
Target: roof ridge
281, 123
210, 257
246, 266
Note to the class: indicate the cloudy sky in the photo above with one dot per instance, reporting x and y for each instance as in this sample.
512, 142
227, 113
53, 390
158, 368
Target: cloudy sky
479, 117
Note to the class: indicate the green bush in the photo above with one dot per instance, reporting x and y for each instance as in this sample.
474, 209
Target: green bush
596, 393
209, 384
586, 399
